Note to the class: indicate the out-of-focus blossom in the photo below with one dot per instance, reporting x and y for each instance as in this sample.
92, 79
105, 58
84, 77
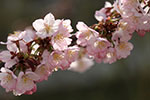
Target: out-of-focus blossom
81, 65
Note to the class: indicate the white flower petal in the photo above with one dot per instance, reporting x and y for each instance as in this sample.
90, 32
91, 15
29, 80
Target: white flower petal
5, 56
10, 63
39, 25
81, 26
49, 19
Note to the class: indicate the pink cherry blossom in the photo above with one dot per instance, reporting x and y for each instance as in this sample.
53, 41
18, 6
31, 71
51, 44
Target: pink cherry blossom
8, 79
123, 49
32, 56
45, 27
16, 36
85, 34
45, 58
102, 13
16, 42
132, 11
57, 60
123, 32
12, 46
6, 56
28, 35
66, 23
9, 56
144, 25
128, 8
71, 54
110, 56
98, 49
43, 72
25, 82
60, 39
31, 91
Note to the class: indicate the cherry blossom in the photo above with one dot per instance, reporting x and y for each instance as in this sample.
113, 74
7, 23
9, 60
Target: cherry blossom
43, 72
45, 27
85, 33
33, 55
8, 79
60, 39
123, 49
71, 54
58, 60
101, 14
98, 49
81, 65
111, 56
8, 58
66, 23
25, 82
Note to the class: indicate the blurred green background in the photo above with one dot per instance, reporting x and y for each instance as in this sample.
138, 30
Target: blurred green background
127, 79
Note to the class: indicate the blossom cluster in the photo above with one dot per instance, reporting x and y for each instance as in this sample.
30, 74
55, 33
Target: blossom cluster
33, 55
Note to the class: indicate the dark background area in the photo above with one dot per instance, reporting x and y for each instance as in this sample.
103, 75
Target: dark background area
127, 79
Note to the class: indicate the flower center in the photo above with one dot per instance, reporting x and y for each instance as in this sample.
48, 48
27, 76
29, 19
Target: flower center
88, 34
42, 69
57, 57
47, 28
58, 37
100, 44
71, 53
110, 55
25, 79
122, 46
8, 78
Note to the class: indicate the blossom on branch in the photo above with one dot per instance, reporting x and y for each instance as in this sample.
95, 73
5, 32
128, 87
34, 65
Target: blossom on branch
33, 55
